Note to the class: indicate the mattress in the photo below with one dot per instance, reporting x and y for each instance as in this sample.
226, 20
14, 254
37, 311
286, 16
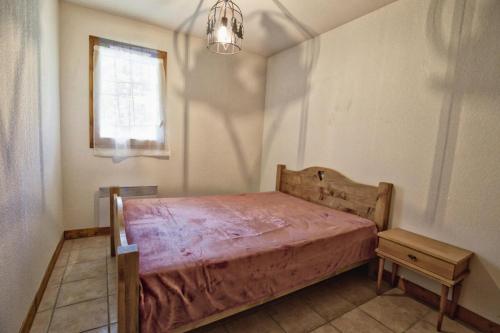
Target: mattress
199, 256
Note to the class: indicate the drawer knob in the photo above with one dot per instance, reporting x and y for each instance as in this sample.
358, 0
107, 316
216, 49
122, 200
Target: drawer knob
412, 257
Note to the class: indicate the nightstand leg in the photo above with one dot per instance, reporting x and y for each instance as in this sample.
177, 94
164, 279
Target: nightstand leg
381, 263
442, 306
394, 274
454, 303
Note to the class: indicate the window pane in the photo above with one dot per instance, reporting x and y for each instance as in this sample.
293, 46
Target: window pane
128, 94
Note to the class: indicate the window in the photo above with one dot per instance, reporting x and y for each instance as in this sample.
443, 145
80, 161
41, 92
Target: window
127, 98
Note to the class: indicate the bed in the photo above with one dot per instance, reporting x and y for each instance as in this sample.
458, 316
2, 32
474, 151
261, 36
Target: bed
186, 262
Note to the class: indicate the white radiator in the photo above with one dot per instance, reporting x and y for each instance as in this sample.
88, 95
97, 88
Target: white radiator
102, 202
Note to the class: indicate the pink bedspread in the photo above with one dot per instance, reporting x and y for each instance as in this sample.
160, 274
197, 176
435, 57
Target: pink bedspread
203, 255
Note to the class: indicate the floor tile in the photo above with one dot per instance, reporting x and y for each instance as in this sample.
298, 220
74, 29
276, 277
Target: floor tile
111, 284
357, 321
211, 328
326, 302
67, 245
49, 298
82, 290
354, 287
271, 304
449, 325
257, 322
113, 309
295, 316
84, 255
91, 242
62, 259
85, 270
80, 317
426, 327
326, 329
103, 329
111, 262
56, 276
41, 322
395, 310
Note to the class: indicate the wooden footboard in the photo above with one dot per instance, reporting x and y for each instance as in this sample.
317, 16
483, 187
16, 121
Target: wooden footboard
127, 268
319, 185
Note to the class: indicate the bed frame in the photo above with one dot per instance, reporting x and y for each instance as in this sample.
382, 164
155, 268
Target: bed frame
323, 186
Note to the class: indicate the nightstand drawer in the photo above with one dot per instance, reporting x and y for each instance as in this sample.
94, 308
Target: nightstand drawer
422, 260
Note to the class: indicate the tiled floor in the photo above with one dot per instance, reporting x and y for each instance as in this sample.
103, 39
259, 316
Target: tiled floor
81, 297
82, 290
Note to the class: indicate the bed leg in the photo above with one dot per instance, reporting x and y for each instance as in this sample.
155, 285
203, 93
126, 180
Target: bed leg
381, 262
128, 289
112, 191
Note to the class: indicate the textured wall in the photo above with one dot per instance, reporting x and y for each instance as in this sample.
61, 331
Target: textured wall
215, 108
30, 173
408, 94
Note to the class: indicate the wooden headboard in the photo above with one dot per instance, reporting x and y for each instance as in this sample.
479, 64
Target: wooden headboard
330, 188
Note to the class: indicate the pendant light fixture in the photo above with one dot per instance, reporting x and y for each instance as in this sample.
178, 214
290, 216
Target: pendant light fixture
225, 28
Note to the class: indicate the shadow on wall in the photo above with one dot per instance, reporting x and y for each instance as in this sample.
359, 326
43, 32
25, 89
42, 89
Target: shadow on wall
302, 62
483, 272
20, 113
473, 70
208, 77
22, 196
213, 81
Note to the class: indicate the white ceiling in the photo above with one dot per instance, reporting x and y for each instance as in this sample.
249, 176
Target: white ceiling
270, 25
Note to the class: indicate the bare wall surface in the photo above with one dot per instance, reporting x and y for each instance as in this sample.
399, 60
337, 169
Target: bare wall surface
30, 172
215, 107
408, 94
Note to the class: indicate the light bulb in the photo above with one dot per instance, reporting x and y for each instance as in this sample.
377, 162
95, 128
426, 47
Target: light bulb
223, 35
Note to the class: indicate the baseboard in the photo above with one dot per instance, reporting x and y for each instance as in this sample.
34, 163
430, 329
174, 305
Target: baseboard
428, 297
88, 232
28, 321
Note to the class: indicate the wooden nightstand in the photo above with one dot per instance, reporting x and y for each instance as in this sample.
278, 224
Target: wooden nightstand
442, 262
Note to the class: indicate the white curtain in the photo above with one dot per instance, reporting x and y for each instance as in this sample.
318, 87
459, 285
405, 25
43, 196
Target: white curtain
129, 103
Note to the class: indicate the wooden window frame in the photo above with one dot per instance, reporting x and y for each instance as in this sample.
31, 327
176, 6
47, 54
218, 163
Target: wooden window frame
108, 143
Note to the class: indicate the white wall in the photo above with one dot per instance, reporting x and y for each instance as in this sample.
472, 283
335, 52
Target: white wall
408, 94
30, 165
215, 111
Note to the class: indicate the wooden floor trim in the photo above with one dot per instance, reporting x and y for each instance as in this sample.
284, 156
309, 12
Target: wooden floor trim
88, 232
428, 297
30, 316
